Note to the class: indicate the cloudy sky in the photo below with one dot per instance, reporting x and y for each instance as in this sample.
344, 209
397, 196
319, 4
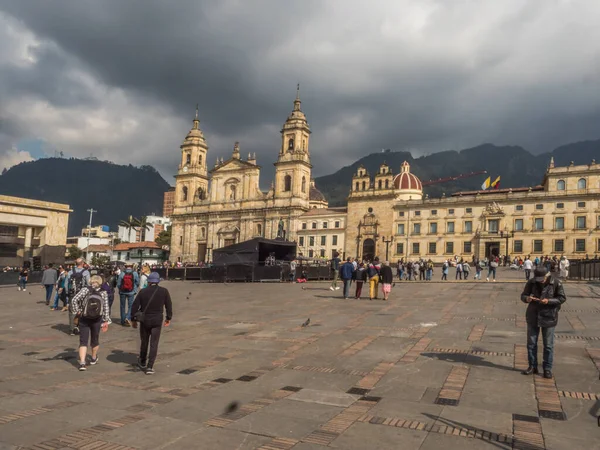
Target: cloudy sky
120, 79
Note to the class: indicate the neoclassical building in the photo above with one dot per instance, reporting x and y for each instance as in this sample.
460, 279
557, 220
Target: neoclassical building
389, 216
224, 205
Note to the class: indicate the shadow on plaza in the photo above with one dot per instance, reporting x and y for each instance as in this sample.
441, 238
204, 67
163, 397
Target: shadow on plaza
63, 327
466, 359
455, 424
121, 357
69, 355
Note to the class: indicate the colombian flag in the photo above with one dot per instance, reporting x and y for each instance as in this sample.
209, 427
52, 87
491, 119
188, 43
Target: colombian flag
486, 184
496, 183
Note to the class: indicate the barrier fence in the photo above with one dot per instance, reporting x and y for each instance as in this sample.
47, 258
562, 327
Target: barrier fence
212, 274
584, 270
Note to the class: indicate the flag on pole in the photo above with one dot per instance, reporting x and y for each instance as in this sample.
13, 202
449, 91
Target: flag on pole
496, 183
486, 183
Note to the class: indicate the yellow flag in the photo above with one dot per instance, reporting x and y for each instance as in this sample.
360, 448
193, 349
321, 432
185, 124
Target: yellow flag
486, 183
496, 183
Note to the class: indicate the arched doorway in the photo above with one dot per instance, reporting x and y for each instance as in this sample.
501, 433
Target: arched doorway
368, 252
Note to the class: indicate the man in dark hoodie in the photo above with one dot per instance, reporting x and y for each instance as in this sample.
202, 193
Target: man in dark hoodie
544, 295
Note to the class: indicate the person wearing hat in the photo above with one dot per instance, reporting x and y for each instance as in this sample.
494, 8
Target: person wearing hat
151, 301
544, 295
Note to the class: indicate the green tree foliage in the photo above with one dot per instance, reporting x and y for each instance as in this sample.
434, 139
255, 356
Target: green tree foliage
74, 252
100, 260
164, 238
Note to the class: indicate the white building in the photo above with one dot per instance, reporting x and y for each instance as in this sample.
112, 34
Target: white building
158, 224
82, 242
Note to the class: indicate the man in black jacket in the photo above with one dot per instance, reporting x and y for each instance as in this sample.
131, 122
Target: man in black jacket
544, 295
152, 301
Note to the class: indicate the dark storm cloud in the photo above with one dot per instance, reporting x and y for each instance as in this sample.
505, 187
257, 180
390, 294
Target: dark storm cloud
422, 76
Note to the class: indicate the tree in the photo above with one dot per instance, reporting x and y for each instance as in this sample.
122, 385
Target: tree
100, 260
74, 252
143, 225
129, 225
164, 238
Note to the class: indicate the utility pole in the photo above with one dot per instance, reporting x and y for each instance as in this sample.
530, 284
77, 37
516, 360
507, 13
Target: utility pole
91, 211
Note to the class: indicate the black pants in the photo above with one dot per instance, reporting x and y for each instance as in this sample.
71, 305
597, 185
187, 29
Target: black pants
149, 334
89, 330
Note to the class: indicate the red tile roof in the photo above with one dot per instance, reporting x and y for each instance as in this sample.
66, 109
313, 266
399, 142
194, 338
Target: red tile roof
126, 246
101, 248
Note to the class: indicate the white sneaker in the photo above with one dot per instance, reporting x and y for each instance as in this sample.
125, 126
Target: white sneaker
331, 288
487, 279
337, 288
19, 288
24, 290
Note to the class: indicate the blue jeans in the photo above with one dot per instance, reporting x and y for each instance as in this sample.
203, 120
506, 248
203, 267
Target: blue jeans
49, 289
492, 270
532, 346
22, 282
428, 274
57, 297
129, 297
347, 284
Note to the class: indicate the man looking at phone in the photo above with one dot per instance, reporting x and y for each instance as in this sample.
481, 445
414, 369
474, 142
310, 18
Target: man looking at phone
544, 295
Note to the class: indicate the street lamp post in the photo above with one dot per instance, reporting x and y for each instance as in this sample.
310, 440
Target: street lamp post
387, 245
506, 234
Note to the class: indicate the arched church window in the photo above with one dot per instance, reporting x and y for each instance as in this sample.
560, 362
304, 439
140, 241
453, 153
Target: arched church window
560, 185
581, 184
203, 232
258, 229
379, 184
303, 144
357, 186
201, 194
200, 159
232, 192
387, 184
303, 184
287, 183
188, 158
184, 194
291, 144
364, 185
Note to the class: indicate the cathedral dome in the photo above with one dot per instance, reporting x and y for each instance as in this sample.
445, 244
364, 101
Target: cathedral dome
316, 195
406, 180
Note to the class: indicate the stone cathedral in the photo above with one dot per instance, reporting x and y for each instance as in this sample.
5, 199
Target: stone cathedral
224, 205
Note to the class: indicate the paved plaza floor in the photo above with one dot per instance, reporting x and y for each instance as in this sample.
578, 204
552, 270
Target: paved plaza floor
435, 367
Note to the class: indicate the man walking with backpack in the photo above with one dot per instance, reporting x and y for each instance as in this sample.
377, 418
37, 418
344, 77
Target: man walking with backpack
90, 306
78, 278
49, 277
147, 310
544, 296
128, 284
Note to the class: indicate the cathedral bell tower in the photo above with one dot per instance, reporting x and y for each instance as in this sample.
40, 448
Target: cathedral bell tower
293, 168
192, 175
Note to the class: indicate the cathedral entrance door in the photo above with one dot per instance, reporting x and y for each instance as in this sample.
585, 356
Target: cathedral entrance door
368, 252
492, 249
201, 252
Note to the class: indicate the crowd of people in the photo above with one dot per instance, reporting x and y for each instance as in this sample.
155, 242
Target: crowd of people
88, 299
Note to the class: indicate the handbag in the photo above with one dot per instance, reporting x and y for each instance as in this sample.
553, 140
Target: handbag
140, 316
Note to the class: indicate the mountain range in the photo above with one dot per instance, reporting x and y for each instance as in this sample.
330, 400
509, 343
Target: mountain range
515, 165
117, 191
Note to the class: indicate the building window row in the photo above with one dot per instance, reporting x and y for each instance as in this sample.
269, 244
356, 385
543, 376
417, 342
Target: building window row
321, 239
561, 185
432, 249
324, 225
558, 246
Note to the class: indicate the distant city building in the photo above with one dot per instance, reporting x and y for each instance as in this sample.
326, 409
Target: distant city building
138, 253
169, 202
96, 250
82, 242
101, 231
322, 232
32, 229
157, 224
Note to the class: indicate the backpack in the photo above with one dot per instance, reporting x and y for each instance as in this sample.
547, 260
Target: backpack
127, 283
94, 305
372, 271
76, 282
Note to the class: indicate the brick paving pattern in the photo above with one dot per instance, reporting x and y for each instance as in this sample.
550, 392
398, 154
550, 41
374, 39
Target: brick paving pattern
437, 366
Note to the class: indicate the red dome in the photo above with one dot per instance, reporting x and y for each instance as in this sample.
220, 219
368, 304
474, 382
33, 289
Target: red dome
406, 180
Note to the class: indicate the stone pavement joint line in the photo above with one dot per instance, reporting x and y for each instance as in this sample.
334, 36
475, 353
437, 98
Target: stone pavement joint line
370, 380
414, 352
468, 432
573, 336
521, 362
576, 323
86, 438
279, 444
594, 354
493, 319
213, 362
453, 386
358, 346
328, 370
579, 395
340, 423
469, 352
249, 408
527, 433
477, 332
35, 412
549, 406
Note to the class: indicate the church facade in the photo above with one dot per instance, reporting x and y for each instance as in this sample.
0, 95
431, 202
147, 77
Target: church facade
224, 205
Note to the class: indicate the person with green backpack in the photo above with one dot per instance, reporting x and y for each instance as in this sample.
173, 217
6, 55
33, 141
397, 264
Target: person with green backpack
90, 307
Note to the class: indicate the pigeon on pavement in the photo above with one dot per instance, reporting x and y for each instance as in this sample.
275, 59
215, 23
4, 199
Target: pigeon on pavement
232, 407
307, 323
